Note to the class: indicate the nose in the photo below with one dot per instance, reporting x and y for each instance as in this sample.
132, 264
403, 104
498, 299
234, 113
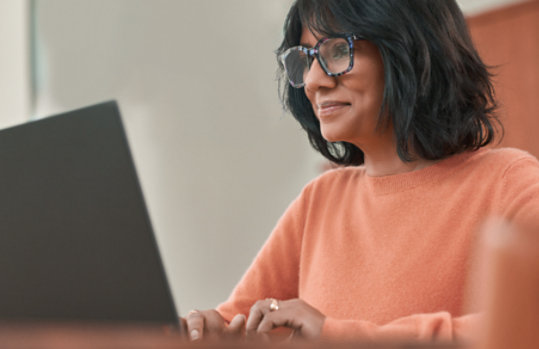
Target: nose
316, 78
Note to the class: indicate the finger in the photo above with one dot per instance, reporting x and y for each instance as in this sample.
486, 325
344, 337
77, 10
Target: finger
237, 323
306, 321
285, 316
195, 325
183, 327
257, 312
236, 326
214, 324
275, 319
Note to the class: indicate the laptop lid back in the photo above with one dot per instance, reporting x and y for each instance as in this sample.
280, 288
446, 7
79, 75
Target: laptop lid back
76, 241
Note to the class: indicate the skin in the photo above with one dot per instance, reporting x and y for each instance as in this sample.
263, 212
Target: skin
210, 324
305, 320
348, 108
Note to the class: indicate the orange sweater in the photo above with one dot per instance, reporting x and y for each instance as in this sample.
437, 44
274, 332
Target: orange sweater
388, 257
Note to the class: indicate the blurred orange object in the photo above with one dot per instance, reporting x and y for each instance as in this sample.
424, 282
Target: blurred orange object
512, 287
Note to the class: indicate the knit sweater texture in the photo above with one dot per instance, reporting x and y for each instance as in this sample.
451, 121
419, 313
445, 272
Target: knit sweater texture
389, 257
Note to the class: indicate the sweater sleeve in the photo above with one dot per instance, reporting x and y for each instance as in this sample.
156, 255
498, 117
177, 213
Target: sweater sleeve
274, 272
438, 327
520, 193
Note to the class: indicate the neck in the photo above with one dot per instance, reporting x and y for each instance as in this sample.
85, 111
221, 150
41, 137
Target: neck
383, 160
378, 166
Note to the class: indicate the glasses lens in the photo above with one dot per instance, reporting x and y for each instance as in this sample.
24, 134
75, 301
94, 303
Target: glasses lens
335, 55
296, 64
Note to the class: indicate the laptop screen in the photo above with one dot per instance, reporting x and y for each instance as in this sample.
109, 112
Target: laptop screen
76, 240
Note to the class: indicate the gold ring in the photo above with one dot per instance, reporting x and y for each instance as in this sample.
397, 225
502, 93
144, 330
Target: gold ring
274, 305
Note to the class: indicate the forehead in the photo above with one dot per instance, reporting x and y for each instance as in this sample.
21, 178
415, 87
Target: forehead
308, 38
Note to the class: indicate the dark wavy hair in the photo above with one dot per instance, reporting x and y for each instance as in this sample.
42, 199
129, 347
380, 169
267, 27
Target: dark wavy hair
438, 92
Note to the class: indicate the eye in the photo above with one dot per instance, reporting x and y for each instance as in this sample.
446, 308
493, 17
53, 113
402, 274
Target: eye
335, 50
340, 50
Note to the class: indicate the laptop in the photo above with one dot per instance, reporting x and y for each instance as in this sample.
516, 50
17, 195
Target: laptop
76, 243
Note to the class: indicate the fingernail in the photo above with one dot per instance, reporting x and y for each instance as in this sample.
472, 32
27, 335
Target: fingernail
239, 317
194, 335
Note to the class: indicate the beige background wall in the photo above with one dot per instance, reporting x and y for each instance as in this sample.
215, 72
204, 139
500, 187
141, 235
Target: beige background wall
14, 62
473, 7
218, 159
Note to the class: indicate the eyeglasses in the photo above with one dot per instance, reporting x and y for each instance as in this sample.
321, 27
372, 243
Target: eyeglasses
335, 55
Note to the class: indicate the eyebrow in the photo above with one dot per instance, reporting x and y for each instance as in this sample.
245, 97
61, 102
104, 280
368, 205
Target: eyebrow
308, 45
304, 44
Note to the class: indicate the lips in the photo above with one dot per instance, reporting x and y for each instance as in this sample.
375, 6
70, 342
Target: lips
329, 108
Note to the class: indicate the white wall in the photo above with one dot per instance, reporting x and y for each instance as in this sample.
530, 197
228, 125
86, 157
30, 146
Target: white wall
14, 62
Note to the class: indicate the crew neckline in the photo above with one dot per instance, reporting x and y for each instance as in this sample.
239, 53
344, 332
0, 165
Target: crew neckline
408, 180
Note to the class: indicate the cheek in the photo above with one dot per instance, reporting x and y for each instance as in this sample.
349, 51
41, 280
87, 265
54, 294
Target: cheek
310, 98
378, 95
308, 94
378, 82
368, 71
368, 89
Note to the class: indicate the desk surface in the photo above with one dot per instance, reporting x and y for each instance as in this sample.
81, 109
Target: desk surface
137, 337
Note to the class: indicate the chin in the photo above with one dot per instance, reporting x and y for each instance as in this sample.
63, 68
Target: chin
332, 136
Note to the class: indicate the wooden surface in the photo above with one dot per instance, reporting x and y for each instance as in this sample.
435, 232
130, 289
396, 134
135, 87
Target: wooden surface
100, 336
85, 336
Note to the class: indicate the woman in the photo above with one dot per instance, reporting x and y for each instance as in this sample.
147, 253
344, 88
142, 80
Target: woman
380, 248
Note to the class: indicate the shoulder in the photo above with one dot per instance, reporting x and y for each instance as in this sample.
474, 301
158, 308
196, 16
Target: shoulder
509, 155
340, 177
518, 184
512, 173
334, 182
499, 161
507, 160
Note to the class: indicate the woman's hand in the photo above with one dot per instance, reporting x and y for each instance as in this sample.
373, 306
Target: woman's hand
206, 324
265, 315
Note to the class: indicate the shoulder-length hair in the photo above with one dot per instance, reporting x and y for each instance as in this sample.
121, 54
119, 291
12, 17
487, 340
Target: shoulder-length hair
438, 95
